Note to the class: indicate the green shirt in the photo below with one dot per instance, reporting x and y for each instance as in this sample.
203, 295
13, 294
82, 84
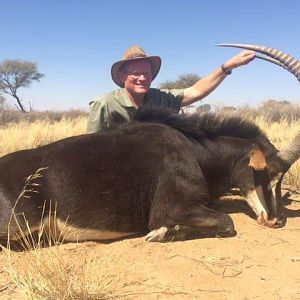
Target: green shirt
118, 101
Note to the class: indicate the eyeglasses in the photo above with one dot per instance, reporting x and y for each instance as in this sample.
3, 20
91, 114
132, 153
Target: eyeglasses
136, 75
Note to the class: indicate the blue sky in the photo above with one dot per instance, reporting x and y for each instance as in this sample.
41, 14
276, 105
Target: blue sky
75, 43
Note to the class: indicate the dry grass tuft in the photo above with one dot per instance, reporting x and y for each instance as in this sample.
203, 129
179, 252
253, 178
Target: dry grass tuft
51, 274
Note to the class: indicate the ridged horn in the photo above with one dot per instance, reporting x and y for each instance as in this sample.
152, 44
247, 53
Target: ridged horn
290, 63
292, 152
273, 61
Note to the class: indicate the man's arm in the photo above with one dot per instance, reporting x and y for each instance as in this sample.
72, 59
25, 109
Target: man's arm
207, 84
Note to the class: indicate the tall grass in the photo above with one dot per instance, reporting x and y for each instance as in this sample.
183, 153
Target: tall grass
27, 135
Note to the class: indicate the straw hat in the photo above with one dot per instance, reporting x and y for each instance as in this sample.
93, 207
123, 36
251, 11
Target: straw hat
134, 53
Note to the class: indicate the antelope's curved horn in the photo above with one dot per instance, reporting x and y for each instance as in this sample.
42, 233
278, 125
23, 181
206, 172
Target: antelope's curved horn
273, 61
292, 152
291, 63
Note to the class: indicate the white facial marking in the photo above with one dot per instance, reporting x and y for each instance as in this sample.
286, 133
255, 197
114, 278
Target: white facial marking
258, 206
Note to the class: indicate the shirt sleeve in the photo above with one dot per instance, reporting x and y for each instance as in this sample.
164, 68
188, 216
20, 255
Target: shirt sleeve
98, 117
171, 98
176, 96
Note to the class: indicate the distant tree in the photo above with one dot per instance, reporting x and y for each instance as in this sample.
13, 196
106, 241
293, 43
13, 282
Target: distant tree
183, 81
276, 110
271, 103
228, 109
204, 108
15, 74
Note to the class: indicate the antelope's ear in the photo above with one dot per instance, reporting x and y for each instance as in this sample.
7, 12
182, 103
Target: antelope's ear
257, 160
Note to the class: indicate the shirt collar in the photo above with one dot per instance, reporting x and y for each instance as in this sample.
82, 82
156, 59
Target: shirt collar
124, 98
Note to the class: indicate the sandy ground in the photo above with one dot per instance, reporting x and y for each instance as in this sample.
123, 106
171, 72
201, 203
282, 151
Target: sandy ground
258, 263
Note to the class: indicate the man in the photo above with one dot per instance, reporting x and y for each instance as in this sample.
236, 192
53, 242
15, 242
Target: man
134, 74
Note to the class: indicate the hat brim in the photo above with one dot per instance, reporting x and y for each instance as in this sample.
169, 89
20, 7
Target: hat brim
116, 67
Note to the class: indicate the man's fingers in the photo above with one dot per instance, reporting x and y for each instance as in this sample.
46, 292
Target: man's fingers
242, 58
248, 52
247, 55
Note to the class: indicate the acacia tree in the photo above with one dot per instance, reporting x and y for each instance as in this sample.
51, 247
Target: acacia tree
15, 74
183, 81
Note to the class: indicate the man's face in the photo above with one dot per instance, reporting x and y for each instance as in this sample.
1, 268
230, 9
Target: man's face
137, 77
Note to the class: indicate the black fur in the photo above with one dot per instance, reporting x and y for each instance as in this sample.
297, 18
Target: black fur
207, 125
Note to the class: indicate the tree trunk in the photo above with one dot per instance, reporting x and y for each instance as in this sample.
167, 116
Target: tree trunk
19, 103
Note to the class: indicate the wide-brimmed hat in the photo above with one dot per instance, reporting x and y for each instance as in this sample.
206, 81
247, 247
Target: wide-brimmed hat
134, 53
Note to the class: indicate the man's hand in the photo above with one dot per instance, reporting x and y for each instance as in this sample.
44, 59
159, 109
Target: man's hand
240, 59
